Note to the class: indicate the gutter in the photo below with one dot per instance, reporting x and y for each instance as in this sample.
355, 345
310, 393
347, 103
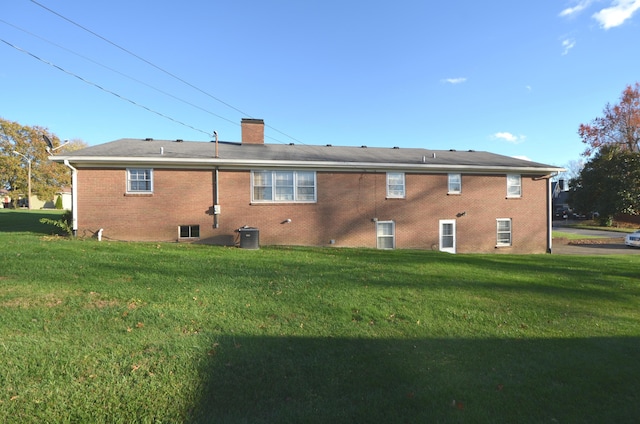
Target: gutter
74, 197
114, 161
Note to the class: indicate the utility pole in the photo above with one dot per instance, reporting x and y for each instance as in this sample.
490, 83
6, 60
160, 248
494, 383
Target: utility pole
29, 177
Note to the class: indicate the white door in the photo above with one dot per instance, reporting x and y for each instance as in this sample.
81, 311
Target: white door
448, 235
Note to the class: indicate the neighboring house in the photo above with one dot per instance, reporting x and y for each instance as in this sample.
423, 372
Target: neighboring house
65, 195
5, 198
453, 201
560, 199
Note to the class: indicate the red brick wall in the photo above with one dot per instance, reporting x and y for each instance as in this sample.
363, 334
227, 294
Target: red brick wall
252, 131
346, 207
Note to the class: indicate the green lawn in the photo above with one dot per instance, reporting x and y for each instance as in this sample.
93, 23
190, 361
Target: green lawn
573, 236
143, 332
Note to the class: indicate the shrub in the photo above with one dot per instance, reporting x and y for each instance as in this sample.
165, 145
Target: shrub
63, 223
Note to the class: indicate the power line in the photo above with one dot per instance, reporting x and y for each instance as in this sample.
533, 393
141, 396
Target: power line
157, 67
119, 73
102, 88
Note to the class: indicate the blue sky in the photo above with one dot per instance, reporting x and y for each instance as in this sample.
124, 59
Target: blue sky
510, 77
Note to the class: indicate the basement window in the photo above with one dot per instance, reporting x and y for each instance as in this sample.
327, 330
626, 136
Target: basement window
189, 231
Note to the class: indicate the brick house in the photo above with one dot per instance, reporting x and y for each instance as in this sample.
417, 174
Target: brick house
454, 201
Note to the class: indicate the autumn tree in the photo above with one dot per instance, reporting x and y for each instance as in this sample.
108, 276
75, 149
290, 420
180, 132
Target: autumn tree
609, 183
619, 125
47, 177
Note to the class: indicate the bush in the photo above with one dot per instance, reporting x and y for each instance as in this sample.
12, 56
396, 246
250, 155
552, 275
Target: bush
59, 203
64, 222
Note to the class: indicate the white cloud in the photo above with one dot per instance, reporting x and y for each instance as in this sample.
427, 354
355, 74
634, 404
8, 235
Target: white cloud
582, 5
508, 137
455, 80
617, 14
567, 44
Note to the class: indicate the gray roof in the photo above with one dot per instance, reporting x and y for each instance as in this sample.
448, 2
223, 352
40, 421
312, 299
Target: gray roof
172, 153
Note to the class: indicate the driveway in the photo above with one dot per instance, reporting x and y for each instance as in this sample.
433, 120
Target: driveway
611, 243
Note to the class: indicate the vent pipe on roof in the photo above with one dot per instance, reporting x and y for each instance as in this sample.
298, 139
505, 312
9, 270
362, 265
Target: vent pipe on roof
215, 135
424, 159
161, 151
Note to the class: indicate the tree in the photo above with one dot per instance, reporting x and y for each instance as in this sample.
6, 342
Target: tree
47, 177
609, 183
571, 172
619, 126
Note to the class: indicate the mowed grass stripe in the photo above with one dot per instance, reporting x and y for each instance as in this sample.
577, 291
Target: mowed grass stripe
144, 332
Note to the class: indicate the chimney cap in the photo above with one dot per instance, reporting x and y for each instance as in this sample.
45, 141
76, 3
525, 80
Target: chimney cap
252, 121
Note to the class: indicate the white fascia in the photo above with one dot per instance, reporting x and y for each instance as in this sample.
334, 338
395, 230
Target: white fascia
201, 163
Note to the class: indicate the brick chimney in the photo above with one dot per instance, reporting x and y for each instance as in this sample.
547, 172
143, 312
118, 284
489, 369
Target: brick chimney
252, 131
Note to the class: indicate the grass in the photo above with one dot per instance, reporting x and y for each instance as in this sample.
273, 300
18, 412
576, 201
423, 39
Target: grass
143, 332
620, 227
573, 236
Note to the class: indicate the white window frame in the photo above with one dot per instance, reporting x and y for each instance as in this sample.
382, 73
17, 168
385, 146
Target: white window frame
514, 185
278, 190
135, 171
380, 226
441, 245
454, 183
190, 228
396, 187
501, 232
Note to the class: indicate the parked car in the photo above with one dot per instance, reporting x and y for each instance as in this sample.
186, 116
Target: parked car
633, 239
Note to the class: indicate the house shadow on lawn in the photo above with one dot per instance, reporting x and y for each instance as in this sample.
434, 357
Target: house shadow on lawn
303, 380
18, 221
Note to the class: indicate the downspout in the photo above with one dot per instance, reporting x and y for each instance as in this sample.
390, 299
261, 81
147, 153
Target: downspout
550, 212
216, 206
549, 208
549, 216
74, 197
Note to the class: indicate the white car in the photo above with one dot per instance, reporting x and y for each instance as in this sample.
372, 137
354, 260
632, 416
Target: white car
633, 239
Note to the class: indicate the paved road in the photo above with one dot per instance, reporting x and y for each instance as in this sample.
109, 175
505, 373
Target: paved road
613, 244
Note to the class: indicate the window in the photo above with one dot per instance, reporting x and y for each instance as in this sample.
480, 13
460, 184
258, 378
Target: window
283, 186
395, 185
448, 235
189, 231
455, 183
386, 233
503, 232
139, 180
514, 185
